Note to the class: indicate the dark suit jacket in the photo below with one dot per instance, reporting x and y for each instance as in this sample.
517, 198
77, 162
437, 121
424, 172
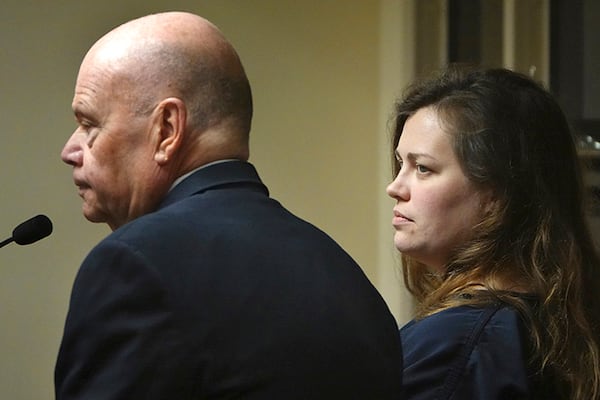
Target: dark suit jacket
223, 294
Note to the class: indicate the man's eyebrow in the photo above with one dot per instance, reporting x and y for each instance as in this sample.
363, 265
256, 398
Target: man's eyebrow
80, 109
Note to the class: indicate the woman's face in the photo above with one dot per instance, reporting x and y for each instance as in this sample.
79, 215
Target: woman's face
436, 205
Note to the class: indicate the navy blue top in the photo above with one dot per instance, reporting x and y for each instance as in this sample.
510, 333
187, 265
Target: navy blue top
469, 353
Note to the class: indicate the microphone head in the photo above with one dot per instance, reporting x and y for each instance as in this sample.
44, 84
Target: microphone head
32, 230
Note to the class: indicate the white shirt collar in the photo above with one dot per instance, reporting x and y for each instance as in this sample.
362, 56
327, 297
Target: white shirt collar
182, 177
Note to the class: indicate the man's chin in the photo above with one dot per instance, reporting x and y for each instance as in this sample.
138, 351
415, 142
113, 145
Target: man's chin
93, 215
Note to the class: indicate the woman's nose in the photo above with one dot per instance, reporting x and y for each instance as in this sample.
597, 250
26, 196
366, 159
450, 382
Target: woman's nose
398, 189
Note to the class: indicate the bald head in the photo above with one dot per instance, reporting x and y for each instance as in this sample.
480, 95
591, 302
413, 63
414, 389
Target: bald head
178, 54
155, 98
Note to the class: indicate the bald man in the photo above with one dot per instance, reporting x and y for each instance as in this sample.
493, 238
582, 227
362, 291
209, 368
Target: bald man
207, 288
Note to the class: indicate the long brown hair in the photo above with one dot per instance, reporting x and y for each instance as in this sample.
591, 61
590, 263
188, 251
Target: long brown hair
511, 137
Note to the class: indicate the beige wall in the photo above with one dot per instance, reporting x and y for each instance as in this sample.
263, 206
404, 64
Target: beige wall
323, 73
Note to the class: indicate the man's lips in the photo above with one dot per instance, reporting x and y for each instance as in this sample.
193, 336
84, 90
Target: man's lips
81, 186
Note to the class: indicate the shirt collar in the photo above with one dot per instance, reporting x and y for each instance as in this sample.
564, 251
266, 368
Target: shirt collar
182, 177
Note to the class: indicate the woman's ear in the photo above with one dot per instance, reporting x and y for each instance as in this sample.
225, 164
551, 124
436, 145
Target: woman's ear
487, 201
170, 122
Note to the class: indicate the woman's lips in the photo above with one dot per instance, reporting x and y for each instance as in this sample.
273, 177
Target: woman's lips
400, 218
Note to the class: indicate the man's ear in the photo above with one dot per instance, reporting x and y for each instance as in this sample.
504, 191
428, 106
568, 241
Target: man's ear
170, 122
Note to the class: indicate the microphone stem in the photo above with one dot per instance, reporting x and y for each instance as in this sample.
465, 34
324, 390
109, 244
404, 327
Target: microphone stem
5, 242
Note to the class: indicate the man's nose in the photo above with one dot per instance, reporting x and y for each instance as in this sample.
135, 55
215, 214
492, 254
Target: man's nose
72, 152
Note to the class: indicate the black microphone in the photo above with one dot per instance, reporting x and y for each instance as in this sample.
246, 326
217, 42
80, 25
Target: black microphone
30, 231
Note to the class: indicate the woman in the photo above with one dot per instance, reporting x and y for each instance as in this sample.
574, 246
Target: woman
495, 248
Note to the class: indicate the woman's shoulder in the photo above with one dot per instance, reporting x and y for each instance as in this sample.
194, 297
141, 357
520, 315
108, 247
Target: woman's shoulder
461, 321
464, 350
448, 331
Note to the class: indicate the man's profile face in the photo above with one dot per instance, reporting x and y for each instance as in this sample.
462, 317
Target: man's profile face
111, 150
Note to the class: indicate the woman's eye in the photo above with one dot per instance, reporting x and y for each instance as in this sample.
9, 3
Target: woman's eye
422, 169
